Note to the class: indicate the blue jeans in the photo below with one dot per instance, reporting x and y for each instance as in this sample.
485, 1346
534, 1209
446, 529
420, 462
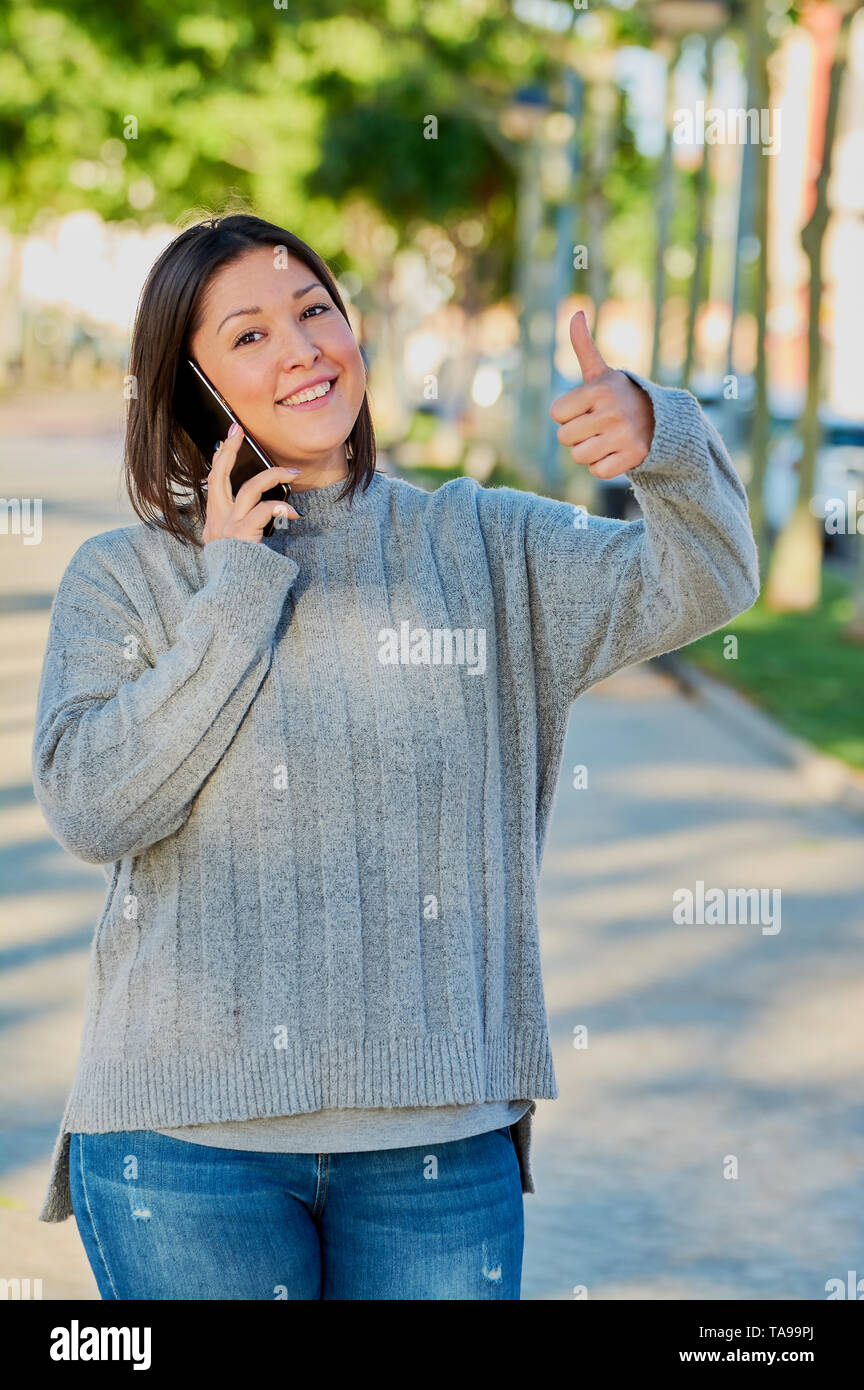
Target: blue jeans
161, 1218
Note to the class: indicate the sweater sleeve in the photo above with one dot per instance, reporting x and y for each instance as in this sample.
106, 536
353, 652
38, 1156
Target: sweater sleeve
608, 593
123, 742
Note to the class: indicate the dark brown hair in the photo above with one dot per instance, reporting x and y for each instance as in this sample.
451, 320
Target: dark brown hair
165, 472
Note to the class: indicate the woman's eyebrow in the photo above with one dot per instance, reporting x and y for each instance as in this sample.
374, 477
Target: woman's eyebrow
237, 313
256, 308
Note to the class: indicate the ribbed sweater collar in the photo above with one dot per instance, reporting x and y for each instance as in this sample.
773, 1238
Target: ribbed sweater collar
322, 507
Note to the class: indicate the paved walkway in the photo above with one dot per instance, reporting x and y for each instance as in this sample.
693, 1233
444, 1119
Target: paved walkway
707, 1045
704, 1042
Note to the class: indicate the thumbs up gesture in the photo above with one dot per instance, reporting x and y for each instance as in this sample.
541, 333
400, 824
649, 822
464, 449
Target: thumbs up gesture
608, 421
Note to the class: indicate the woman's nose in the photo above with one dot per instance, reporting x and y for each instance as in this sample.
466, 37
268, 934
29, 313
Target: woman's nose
296, 349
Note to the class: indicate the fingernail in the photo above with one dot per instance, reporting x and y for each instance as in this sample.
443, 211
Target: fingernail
233, 430
292, 470
218, 447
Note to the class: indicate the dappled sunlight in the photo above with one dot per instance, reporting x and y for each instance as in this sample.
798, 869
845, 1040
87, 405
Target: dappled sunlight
40, 917
711, 782
21, 824
636, 1055
650, 1152
810, 1031
593, 970
631, 850
742, 853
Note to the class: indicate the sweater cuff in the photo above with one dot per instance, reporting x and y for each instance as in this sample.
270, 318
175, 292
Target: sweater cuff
679, 436
248, 583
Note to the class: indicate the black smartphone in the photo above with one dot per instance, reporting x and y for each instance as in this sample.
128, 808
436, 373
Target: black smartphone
205, 416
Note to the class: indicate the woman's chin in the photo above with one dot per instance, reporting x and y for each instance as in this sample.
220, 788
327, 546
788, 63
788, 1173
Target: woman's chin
308, 443
291, 452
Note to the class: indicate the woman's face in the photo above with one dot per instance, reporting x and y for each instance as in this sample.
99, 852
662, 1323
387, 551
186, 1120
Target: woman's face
270, 330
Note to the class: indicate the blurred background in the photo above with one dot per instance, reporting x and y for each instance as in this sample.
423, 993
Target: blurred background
691, 172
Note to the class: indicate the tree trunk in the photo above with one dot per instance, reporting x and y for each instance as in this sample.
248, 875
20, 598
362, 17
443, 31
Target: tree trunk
664, 210
731, 402
795, 579
700, 240
602, 100
761, 411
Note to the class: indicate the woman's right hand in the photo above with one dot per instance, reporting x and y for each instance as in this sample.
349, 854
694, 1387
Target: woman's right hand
242, 517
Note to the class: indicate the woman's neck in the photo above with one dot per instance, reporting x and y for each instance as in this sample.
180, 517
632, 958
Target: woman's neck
320, 472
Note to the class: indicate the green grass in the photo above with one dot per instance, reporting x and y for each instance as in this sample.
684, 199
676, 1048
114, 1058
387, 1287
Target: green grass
800, 668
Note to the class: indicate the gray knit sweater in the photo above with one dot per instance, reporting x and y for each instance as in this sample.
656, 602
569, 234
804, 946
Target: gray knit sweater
318, 772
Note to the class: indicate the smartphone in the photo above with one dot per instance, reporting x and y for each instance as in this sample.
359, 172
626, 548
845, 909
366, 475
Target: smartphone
205, 416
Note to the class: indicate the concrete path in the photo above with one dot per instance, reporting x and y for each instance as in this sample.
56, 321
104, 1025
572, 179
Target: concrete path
64, 450
709, 1047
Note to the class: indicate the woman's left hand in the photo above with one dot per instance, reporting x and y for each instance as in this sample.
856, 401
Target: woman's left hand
608, 422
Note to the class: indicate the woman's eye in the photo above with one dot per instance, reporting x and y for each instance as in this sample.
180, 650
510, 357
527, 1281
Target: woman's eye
245, 337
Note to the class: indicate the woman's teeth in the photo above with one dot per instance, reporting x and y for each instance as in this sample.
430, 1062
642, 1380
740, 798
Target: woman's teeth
312, 394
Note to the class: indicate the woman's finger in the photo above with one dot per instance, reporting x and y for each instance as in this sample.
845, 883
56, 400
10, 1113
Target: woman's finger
579, 400
220, 498
219, 478
583, 427
250, 491
597, 448
611, 466
251, 526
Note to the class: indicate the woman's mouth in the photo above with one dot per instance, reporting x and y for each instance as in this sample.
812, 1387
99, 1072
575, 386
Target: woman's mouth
312, 399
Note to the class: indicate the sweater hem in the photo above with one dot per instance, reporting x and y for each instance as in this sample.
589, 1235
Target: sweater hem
110, 1095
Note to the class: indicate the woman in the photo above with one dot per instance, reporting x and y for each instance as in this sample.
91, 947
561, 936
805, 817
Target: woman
318, 767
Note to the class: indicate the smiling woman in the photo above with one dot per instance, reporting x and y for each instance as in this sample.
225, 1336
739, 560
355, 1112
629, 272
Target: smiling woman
315, 1019
288, 363
261, 314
